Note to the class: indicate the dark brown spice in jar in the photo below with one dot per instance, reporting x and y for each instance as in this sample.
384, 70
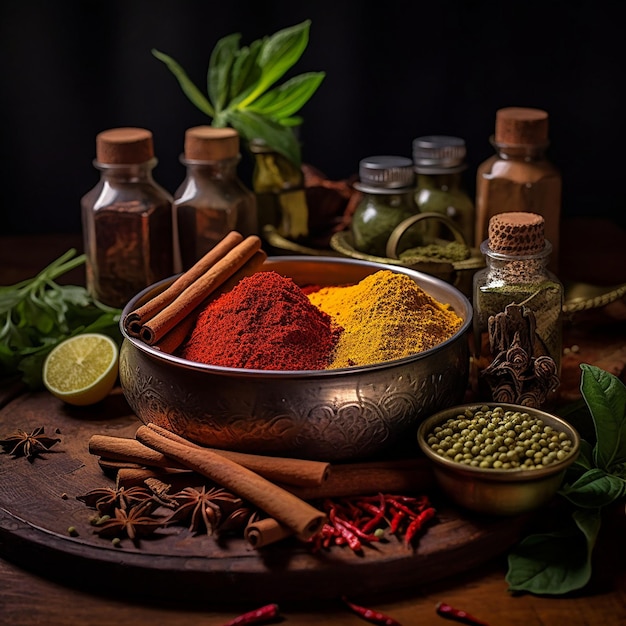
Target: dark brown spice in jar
127, 219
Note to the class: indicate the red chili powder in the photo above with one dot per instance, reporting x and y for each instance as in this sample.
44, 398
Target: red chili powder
265, 322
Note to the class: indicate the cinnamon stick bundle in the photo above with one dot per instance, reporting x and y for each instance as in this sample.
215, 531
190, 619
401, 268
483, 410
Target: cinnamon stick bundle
137, 318
157, 327
175, 337
301, 517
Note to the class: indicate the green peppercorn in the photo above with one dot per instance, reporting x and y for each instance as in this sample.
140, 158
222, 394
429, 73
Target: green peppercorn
499, 439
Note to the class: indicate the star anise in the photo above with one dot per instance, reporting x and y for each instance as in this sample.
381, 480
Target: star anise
203, 509
106, 499
134, 522
30, 445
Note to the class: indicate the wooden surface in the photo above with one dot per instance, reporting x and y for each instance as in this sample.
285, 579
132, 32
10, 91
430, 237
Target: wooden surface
39, 504
45, 597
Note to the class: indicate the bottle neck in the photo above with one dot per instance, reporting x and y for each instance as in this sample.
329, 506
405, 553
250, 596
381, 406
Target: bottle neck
514, 268
520, 152
126, 172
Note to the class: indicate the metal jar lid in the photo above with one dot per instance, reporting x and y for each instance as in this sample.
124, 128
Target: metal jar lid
385, 174
439, 154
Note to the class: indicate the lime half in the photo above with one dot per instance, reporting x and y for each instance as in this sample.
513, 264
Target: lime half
82, 369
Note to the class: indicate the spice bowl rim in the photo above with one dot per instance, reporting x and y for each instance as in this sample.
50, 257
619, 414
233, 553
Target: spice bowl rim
513, 475
426, 279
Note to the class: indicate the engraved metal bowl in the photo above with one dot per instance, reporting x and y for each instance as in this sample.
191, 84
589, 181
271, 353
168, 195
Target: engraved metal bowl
498, 491
332, 415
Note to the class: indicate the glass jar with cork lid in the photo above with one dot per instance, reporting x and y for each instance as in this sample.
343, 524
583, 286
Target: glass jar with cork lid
126, 219
518, 307
519, 176
212, 200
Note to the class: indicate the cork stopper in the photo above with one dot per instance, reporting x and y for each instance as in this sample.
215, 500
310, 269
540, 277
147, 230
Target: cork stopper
521, 126
207, 143
516, 233
123, 146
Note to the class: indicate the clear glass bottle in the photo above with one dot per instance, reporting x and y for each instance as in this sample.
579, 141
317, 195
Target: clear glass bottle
520, 177
126, 219
211, 201
518, 307
279, 188
387, 185
439, 161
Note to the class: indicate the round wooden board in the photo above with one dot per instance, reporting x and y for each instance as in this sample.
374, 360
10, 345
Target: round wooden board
38, 504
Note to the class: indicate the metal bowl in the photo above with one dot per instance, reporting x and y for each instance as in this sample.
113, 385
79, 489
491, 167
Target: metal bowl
332, 415
497, 491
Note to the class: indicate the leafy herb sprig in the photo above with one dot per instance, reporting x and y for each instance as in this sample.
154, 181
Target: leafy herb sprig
241, 87
561, 561
37, 314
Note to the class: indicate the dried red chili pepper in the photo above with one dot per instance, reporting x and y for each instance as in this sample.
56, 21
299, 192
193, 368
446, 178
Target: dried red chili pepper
376, 617
263, 614
397, 518
417, 523
449, 612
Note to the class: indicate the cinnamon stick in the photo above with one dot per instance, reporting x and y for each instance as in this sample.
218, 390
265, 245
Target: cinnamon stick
178, 478
175, 337
137, 318
302, 518
263, 532
127, 450
192, 296
367, 478
298, 472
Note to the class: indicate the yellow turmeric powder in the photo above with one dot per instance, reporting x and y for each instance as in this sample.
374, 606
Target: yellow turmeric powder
385, 316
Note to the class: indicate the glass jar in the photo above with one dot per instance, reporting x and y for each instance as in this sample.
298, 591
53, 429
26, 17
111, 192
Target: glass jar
126, 219
211, 201
387, 185
279, 188
518, 307
519, 177
439, 161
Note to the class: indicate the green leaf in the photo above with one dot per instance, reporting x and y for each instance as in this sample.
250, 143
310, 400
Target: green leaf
278, 54
605, 395
245, 72
280, 138
218, 75
594, 489
288, 98
558, 562
189, 88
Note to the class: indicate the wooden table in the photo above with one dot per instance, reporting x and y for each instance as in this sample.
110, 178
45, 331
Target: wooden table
27, 598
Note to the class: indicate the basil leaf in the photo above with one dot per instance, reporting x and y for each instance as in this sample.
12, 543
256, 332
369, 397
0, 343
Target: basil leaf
594, 489
278, 54
605, 395
279, 137
555, 563
245, 72
189, 89
288, 98
218, 75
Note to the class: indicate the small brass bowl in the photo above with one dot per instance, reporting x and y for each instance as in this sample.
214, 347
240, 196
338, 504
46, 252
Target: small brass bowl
497, 491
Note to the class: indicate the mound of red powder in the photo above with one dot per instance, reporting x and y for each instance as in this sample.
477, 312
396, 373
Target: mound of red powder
266, 322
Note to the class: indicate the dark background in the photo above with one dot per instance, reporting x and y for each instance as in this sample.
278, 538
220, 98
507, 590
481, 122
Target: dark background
394, 71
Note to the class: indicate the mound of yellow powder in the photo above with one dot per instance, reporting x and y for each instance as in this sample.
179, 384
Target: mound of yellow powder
386, 316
